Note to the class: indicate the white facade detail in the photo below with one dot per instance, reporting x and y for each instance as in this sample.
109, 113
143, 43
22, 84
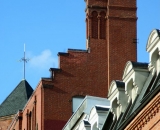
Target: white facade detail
89, 115
135, 75
97, 116
117, 97
154, 49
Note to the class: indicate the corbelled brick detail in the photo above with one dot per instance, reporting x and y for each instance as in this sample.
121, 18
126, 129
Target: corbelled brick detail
148, 118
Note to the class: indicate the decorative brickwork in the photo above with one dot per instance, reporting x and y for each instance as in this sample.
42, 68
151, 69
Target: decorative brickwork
148, 118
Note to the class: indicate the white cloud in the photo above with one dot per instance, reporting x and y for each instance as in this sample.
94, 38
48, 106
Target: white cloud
43, 61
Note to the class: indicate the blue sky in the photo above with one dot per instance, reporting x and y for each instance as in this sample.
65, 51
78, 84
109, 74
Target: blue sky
48, 27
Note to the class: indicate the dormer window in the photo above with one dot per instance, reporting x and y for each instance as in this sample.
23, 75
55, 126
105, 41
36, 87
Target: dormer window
116, 108
131, 90
134, 76
117, 97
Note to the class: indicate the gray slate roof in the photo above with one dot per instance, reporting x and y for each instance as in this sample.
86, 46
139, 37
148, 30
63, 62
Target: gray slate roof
16, 100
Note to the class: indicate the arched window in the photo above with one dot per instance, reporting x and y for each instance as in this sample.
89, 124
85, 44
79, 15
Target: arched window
29, 122
94, 24
116, 108
33, 119
102, 25
131, 90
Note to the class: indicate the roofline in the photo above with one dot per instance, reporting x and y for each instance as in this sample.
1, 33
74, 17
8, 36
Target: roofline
38, 85
86, 97
133, 115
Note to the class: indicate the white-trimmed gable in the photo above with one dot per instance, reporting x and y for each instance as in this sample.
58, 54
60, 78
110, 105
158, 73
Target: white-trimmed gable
153, 47
97, 116
112, 87
117, 97
135, 78
127, 69
152, 40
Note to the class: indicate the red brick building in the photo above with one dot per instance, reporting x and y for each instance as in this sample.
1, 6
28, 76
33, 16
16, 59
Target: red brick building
111, 42
134, 101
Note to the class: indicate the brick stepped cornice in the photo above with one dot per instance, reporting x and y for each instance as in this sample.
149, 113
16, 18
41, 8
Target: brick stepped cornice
62, 54
77, 50
54, 71
47, 83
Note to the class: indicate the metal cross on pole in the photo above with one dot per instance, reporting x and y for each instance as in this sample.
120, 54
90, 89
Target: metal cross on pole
24, 60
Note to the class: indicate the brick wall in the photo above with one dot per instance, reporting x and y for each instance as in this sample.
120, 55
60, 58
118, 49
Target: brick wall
111, 28
5, 122
148, 117
32, 116
90, 72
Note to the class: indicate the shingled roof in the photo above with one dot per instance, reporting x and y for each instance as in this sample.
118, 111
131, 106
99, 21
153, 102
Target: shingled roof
16, 100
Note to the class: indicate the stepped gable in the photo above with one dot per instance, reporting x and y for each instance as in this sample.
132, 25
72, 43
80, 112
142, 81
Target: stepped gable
16, 100
110, 32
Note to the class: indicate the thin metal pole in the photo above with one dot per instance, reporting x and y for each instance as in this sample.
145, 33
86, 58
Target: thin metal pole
24, 62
